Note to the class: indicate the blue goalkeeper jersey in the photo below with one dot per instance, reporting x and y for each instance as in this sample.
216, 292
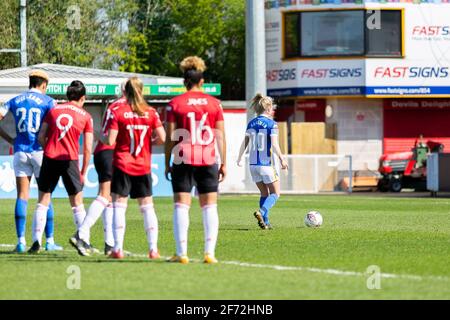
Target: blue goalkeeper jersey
260, 130
29, 110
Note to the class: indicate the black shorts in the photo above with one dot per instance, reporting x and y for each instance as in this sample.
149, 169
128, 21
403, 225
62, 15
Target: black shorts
136, 186
103, 165
206, 178
52, 170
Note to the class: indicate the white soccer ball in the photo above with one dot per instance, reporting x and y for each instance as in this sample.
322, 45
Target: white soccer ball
313, 219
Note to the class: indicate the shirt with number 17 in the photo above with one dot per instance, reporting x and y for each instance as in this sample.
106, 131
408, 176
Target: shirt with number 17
132, 154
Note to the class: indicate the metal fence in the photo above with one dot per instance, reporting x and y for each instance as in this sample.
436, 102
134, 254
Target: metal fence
306, 174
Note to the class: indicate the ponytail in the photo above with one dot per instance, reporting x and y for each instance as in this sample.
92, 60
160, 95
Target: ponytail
192, 68
134, 94
261, 104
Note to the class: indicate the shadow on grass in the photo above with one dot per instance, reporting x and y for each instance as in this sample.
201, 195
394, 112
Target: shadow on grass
35, 258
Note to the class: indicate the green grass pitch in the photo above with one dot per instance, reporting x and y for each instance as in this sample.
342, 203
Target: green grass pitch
407, 238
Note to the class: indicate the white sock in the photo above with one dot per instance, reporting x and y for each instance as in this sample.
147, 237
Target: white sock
22, 240
39, 221
119, 225
108, 214
151, 226
95, 211
51, 240
211, 227
180, 227
79, 213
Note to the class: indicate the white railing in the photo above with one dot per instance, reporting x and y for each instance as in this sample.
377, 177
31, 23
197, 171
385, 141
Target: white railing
306, 174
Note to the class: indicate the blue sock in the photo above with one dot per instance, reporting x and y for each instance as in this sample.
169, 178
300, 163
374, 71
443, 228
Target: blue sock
261, 203
20, 214
49, 227
268, 204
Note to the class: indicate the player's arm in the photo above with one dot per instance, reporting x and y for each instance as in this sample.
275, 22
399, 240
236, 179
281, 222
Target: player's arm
109, 139
222, 148
160, 136
87, 151
168, 147
242, 149
276, 149
3, 111
5, 135
42, 137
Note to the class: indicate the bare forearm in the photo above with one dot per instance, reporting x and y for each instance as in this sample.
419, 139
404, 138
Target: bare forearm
276, 148
6, 136
86, 160
105, 140
87, 151
168, 151
160, 138
170, 144
222, 147
244, 145
42, 140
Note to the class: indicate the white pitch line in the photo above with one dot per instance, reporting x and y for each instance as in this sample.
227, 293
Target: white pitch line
327, 271
335, 272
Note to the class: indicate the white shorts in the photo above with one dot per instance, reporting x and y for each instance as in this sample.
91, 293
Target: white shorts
266, 174
26, 164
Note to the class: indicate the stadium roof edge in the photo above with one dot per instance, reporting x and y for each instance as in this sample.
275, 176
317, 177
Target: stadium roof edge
56, 71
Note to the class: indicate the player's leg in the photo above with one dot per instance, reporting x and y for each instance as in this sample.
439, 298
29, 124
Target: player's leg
102, 204
71, 178
264, 191
120, 204
20, 211
48, 179
120, 189
23, 172
207, 183
72, 182
150, 225
182, 183
95, 211
141, 190
39, 221
274, 190
50, 245
257, 178
107, 217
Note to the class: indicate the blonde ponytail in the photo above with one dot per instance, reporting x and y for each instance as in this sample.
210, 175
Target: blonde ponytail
134, 93
261, 104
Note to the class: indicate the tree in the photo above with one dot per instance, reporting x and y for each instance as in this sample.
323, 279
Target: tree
9, 33
147, 36
174, 29
82, 33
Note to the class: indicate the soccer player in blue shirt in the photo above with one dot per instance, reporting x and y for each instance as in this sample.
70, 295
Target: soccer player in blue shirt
29, 110
262, 136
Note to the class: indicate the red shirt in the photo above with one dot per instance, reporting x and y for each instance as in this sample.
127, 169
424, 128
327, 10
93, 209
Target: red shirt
196, 115
66, 122
105, 123
133, 151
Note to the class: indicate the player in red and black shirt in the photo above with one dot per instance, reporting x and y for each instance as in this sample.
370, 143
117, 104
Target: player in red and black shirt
195, 122
59, 136
131, 129
102, 205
